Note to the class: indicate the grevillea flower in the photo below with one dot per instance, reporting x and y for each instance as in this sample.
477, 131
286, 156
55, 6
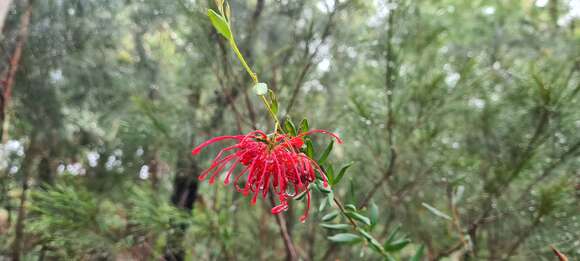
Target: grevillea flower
268, 162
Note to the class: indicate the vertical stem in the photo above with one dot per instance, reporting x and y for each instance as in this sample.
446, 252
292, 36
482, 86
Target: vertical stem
390, 121
243, 61
254, 77
27, 167
291, 254
11, 75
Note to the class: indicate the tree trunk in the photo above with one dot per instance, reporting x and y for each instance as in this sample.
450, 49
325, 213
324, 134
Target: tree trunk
8, 78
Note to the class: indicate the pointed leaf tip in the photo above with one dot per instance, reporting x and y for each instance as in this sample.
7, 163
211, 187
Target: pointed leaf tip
435, 211
345, 238
220, 24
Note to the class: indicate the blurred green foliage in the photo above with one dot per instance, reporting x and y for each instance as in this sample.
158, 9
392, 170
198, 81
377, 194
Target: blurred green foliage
477, 118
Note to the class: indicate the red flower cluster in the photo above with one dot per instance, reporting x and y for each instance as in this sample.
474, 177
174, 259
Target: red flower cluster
271, 162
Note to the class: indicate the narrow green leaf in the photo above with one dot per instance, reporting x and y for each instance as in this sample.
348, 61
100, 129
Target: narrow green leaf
326, 152
345, 238
436, 211
335, 226
359, 217
321, 187
341, 173
352, 191
375, 245
359, 108
273, 101
374, 213
397, 245
149, 110
309, 148
304, 126
393, 234
419, 254
388, 257
220, 24
350, 207
290, 127
330, 216
329, 171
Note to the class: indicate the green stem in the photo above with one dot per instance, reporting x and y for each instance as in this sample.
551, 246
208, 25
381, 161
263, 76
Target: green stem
343, 212
255, 80
276, 121
243, 61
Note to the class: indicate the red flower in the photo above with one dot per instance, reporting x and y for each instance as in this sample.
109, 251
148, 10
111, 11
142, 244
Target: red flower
269, 162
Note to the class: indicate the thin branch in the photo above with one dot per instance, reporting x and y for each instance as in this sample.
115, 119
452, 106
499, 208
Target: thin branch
522, 237
548, 170
8, 80
532, 145
28, 166
291, 254
309, 57
333, 247
389, 87
389, 173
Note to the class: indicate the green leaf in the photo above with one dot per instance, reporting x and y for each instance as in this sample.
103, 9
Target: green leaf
304, 126
309, 148
290, 127
359, 108
273, 101
220, 24
335, 226
330, 216
345, 238
374, 243
352, 191
436, 211
326, 152
374, 213
393, 234
320, 186
388, 257
359, 217
341, 173
397, 245
260, 88
418, 254
150, 111
350, 207
329, 171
